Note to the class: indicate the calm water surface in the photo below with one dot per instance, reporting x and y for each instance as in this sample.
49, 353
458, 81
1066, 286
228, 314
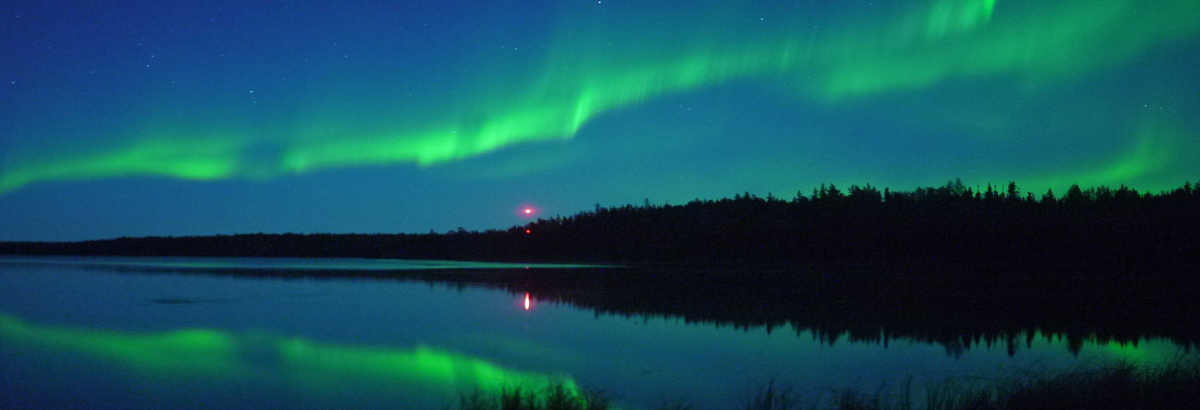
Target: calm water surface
91, 333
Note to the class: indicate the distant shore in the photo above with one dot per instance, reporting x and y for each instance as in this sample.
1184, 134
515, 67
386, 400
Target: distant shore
952, 227
1114, 262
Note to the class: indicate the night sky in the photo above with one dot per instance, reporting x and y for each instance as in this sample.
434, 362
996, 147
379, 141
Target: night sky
134, 118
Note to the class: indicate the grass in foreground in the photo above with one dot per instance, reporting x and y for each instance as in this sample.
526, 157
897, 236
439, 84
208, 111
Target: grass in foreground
1116, 386
556, 396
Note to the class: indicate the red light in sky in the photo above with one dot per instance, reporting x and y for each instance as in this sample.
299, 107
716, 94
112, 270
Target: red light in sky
528, 210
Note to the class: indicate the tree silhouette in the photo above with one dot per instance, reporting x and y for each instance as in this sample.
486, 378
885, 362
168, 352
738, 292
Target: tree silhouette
949, 225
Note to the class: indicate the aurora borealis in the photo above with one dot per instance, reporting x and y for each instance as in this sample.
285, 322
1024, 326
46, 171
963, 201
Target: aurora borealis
244, 116
215, 354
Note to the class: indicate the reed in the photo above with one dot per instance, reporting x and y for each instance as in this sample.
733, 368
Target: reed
1119, 385
1174, 385
556, 396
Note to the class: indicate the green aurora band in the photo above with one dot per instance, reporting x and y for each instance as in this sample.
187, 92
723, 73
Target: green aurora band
219, 355
314, 367
201, 352
868, 54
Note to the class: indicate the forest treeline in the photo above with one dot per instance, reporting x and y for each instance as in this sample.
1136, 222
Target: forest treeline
949, 264
953, 226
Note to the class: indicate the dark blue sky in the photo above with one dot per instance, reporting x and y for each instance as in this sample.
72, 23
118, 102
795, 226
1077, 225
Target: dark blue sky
184, 118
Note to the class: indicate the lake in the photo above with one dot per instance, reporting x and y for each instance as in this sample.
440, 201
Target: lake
213, 333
